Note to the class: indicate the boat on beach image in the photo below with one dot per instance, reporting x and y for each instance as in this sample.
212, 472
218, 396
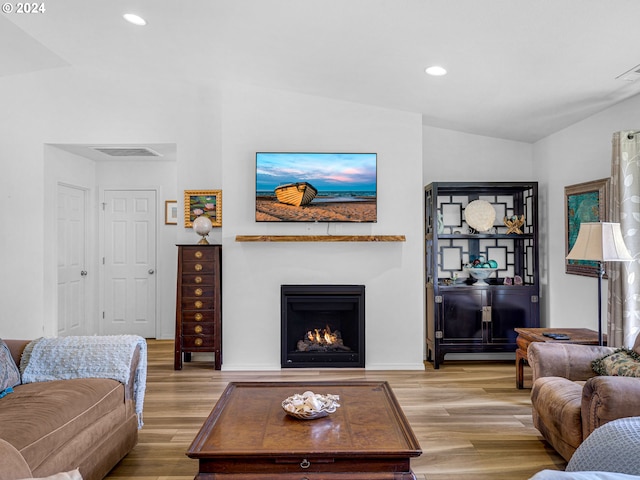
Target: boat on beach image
296, 194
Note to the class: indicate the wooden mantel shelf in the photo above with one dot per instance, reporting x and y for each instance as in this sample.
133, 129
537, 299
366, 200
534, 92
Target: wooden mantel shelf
320, 238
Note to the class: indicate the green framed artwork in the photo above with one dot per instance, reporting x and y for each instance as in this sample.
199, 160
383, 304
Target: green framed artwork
584, 202
203, 202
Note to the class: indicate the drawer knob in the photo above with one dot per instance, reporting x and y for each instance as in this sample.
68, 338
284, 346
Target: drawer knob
198, 316
197, 267
198, 304
198, 342
198, 279
198, 329
198, 292
198, 254
305, 463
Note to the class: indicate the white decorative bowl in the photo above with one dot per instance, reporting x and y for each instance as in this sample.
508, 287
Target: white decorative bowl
480, 274
309, 405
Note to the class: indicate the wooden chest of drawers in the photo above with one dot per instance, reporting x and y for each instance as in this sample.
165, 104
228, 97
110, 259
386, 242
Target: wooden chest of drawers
198, 304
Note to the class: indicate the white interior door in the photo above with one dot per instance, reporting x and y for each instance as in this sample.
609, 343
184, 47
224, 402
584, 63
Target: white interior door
129, 263
72, 274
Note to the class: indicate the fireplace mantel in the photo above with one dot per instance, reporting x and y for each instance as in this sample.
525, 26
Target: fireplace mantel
320, 238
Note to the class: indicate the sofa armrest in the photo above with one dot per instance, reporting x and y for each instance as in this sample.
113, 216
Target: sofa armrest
607, 398
16, 347
129, 386
568, 360
12, 464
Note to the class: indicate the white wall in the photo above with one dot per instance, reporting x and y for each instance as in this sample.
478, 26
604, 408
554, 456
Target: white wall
266, 120
217, 130
576, 154
67, 106
451, 156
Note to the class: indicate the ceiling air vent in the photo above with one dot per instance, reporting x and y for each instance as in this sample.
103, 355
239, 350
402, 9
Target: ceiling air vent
630, 76
127, 151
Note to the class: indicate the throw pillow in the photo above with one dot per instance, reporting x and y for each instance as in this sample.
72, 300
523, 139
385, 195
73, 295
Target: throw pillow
72, 475
9, 373
622, 362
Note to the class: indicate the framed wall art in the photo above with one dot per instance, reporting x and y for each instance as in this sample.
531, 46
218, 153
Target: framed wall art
170, 212
584, 202
203, 202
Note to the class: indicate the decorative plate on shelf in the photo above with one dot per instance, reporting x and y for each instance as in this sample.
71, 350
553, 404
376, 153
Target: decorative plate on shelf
480, 215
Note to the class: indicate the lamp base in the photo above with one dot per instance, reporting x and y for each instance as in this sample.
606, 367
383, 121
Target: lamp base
203, 241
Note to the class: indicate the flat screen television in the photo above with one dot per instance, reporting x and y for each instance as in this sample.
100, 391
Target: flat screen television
316, 187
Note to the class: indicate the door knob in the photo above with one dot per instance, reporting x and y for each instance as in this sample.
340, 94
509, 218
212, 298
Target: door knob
83, 273
151, 271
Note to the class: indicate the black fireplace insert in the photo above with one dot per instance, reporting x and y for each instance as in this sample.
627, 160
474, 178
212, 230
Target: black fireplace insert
322, 326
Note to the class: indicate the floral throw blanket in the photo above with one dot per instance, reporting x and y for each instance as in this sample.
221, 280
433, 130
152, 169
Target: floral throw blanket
107, 356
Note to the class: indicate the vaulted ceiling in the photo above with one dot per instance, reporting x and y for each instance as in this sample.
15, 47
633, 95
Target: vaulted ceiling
518, 69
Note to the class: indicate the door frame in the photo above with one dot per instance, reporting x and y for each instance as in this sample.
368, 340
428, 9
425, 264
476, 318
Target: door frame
101, 250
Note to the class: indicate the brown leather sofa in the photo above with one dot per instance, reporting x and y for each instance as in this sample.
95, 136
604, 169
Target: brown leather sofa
58, 426
569, 400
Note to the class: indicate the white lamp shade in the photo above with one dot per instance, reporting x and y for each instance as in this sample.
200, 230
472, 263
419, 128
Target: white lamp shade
600, 241
202, 225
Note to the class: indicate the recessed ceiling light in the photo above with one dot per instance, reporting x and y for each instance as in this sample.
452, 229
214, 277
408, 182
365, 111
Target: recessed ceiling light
135, 19
436, 70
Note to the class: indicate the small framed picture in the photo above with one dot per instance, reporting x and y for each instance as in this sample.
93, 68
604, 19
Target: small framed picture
203, 202
584, 202
170, 212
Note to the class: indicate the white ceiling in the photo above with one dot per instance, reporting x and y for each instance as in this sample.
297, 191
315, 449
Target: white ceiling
518, 69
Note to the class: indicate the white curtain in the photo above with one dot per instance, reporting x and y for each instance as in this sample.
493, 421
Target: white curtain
624, 208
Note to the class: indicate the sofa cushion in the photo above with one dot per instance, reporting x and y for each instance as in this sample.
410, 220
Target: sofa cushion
9, 373
40, 418
622, 362
559, 475
612, 447
72, 475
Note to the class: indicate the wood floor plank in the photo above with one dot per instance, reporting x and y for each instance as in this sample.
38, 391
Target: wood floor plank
471, 421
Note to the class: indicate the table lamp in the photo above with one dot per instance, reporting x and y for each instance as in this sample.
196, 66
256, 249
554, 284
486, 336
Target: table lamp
202, 226
600, 242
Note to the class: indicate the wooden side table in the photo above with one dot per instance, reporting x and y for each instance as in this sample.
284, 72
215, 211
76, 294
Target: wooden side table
581, 336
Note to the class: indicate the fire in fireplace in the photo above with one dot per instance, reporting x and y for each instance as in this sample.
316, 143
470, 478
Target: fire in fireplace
322, 341
322, 326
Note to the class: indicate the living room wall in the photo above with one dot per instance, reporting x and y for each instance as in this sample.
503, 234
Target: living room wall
579, 153
217, 130
257, 119
78, 106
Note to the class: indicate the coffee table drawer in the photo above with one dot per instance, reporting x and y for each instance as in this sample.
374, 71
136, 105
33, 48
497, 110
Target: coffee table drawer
307, 476
312, 468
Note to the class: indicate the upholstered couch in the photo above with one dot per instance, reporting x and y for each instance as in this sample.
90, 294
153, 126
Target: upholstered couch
49, 427
569, 400
611, 452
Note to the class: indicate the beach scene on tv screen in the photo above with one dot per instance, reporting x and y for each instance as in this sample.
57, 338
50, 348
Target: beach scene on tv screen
316, 187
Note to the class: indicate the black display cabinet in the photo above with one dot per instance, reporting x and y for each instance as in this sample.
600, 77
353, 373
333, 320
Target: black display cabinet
464, 315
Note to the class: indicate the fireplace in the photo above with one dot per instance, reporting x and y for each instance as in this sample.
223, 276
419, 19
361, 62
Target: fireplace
322, 326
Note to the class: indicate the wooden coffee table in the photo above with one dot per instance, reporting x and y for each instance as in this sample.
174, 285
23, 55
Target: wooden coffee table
582, 336
248, 436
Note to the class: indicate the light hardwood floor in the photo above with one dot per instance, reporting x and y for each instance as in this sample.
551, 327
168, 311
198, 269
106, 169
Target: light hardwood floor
470, 419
